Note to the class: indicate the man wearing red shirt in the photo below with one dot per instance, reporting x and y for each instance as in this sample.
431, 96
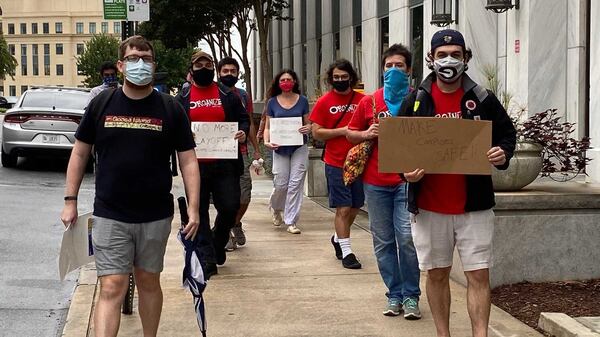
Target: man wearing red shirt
207, 101
386, 193
330, 116
455, 209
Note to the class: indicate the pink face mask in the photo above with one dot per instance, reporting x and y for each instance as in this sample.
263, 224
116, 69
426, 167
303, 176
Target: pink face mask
286, 86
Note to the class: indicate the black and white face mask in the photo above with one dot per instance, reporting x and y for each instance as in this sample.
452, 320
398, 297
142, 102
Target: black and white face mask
448, 69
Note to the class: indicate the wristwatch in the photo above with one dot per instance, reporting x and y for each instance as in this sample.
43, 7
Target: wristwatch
70, 197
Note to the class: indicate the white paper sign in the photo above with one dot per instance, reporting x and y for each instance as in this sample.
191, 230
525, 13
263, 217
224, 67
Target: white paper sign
214, 140
284, 131
138, 10
76, 248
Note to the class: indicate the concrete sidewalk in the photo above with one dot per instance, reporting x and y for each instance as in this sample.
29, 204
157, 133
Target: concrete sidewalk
280, 284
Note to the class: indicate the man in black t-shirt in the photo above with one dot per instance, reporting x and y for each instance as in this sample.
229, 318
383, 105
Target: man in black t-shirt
133, 136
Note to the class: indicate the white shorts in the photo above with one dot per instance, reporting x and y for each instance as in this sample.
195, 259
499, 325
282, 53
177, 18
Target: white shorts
436, 234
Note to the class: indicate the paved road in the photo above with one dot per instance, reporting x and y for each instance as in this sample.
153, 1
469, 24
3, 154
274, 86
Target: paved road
33, 301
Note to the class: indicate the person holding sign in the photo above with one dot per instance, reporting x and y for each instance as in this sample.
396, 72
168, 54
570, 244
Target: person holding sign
455, 210
386, 193
290, 110
134, 129
330, 116
215, 105
229, 69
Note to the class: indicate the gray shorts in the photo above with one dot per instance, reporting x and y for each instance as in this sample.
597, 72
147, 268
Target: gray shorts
246, 182
118, 246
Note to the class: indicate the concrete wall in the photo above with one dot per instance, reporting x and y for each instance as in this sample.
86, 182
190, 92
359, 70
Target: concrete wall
547, 232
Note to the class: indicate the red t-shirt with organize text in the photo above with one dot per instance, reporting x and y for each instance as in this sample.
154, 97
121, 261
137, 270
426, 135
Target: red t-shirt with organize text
361, 120
444, 193
205, 106
326, 112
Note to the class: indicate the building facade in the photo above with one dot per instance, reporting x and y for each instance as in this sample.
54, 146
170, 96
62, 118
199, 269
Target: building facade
541, 52
46, 36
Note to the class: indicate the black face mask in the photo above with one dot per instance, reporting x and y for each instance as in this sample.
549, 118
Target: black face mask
341, 86
203, 77
229, 80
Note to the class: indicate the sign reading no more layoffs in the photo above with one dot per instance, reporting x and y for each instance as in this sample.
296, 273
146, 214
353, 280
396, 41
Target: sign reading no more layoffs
214, 140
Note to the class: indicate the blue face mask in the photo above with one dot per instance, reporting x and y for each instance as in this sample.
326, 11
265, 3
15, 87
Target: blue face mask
139, 73
395, 88
110, 81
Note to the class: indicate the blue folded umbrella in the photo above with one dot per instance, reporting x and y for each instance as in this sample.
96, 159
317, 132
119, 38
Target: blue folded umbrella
193, 276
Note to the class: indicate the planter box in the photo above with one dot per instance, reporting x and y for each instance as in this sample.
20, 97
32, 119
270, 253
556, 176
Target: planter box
315, 184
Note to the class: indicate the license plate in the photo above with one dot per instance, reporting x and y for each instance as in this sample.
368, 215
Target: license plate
52, 139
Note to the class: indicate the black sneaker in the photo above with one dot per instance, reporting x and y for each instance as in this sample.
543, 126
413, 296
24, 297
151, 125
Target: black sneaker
221, 256
338, 249
209, 270
351, 262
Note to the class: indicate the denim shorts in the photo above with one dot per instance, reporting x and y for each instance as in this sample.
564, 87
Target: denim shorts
341, 195
119, 246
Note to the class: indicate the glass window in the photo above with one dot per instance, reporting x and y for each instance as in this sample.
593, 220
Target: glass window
46, 28
92, 28
117, 27
64, 99
24, 60
416, 44
58, 27
80, 48
59, 49
104, 27
35, 62
23, 28
11, 28
34, 28
47, 59
79, 28
12, 90
79, 71
24, 88
59, 70
11, 49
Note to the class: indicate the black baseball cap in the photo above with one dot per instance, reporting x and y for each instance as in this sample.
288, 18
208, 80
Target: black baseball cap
447, 37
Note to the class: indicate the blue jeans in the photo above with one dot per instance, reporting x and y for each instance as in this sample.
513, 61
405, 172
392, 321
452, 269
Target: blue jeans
389, 220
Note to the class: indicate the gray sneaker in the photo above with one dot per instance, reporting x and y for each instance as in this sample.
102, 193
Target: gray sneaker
238, 234
231, 245
411, 309
392, 308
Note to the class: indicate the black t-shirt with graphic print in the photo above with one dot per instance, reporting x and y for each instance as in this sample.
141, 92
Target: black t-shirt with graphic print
133, 142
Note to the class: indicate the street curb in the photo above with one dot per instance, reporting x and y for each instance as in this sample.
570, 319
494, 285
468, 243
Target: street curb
82, 304
561, 325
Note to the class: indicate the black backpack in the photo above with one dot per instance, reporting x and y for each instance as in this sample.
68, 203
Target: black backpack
102, 100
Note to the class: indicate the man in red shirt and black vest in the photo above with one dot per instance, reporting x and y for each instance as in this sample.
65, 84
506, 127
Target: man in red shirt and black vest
207, 101
455, 210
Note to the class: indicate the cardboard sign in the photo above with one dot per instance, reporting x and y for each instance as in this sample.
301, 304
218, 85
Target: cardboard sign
214, 140
437, 145
284, 131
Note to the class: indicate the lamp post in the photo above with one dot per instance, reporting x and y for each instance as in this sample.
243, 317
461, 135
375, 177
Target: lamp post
441, 13
501, 6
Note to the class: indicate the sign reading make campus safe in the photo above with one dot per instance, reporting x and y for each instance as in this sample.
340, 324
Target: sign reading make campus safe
127, 10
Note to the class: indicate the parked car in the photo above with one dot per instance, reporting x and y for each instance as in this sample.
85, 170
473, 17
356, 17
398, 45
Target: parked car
43, 122
7, 102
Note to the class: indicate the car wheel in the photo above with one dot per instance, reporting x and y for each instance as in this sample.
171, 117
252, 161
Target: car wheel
9, 160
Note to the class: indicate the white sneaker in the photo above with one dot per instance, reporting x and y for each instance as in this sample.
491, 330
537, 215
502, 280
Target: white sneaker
277, 218
292, 229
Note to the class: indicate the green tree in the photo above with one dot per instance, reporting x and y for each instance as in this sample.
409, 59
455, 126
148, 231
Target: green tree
173, 62
8, 63
99, 49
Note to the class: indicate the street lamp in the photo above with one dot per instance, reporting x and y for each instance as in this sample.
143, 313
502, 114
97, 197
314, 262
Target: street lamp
441, 13
501, 6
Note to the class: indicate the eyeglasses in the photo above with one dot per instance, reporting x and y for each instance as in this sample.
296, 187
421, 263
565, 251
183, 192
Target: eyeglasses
344, 77
283, 80
136, 58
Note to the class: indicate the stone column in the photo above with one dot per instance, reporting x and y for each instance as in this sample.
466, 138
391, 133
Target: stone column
399, 20
346, 31
594, 127
327, 39
312, 68
370, 46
